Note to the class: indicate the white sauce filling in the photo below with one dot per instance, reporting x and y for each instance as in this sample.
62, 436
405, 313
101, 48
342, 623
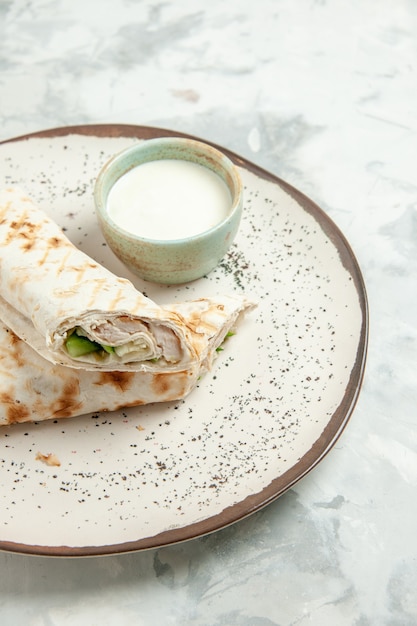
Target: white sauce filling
168, 199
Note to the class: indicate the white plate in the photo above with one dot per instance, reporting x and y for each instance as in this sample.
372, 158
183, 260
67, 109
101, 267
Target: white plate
276, 401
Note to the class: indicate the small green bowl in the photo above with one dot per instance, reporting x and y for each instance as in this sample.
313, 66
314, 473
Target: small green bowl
170, 261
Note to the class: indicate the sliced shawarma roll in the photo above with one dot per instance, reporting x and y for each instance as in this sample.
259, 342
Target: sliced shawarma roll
75, 312
33, 389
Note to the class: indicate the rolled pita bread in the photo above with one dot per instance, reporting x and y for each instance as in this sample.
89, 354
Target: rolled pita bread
55, 297
32, 389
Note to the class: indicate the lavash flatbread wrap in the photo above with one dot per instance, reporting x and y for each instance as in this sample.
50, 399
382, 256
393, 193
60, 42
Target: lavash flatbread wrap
32, 389
52, 295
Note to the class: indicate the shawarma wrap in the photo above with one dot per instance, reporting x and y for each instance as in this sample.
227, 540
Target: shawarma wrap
32, 389
75, 312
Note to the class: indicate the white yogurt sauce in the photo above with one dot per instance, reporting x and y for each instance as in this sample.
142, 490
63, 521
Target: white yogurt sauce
169, 199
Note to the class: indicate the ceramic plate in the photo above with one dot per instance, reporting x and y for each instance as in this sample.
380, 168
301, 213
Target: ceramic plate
274, 404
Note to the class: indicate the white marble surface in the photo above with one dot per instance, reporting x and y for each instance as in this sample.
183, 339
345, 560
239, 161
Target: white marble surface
324, 94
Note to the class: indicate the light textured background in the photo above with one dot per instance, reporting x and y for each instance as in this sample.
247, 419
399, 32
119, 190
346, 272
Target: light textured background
323, 94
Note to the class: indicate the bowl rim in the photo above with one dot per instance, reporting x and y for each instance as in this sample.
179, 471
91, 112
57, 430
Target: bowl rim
100, 198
